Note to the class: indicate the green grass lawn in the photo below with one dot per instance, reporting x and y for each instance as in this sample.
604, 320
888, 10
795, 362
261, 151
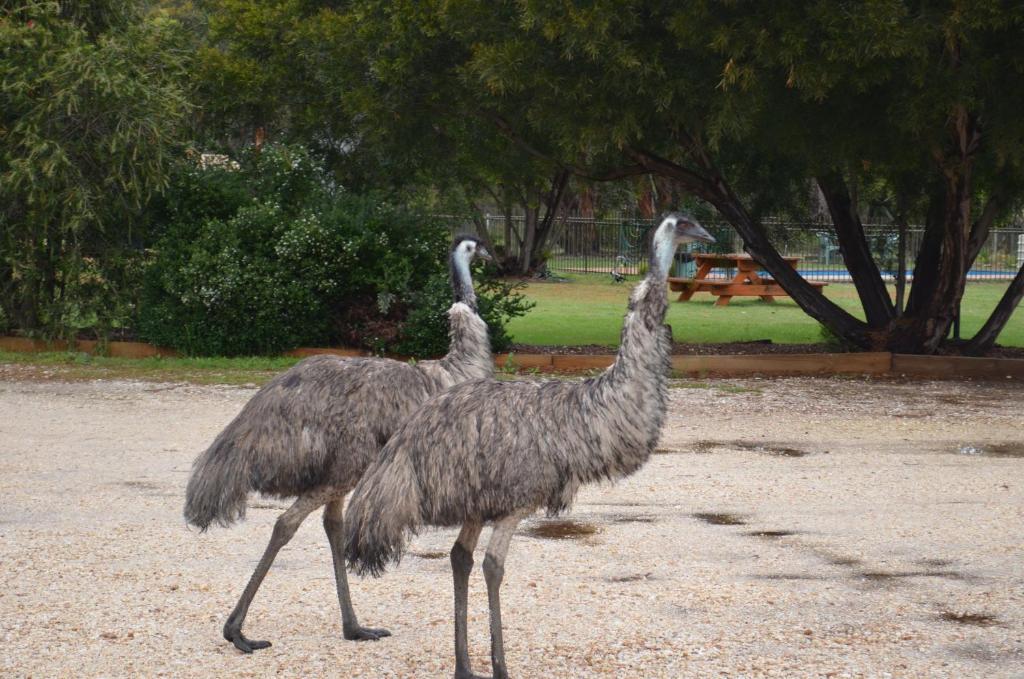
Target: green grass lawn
588, 309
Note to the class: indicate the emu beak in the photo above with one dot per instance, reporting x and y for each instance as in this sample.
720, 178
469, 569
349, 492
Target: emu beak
484, 255
693, 231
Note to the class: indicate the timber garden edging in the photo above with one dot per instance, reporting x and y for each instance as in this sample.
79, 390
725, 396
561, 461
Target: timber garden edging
880, 363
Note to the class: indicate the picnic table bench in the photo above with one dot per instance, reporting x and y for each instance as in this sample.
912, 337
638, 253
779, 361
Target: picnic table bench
746, 283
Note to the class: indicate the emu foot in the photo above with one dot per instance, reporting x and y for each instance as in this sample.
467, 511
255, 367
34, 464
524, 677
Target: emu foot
365, 633
242, 644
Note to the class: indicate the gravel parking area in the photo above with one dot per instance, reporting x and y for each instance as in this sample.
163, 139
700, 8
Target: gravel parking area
786, 527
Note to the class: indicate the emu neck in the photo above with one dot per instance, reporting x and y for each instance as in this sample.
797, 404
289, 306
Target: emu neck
462, 281
629, 399
469, 348
645, 342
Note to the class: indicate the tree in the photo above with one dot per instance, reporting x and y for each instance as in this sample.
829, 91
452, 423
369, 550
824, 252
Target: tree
91, 105
297, 71
744, 105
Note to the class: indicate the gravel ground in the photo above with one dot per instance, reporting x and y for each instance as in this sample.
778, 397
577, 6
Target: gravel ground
787, 527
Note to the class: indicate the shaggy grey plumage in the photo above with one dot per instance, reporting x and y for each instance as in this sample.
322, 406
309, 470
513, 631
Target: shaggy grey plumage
312, 431
489, 451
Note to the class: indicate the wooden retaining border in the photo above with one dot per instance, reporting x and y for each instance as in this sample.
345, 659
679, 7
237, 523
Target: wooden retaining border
114, 349
879, 363
944, 367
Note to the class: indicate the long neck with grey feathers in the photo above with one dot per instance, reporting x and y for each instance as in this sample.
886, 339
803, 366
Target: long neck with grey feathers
462, 280
469, 347
628, 401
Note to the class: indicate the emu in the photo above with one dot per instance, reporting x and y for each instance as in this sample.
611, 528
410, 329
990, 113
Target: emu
494, 452
311, 432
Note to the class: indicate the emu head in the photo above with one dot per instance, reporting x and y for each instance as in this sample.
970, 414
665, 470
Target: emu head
675, 229
464, 251
686, 229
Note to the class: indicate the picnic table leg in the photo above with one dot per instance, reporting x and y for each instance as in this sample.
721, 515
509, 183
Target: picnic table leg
687, 293
702, 272
750, 274
723, 300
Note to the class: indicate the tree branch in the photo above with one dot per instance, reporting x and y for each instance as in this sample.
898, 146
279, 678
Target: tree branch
861, 264
506, 129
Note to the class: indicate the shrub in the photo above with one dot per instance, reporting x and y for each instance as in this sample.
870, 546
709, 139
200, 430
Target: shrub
425, 332
271, 256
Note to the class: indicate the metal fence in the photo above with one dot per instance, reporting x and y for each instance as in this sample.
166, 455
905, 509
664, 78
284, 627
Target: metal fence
581, 245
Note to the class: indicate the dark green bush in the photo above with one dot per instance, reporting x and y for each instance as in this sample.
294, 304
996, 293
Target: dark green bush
425, 332
270, 256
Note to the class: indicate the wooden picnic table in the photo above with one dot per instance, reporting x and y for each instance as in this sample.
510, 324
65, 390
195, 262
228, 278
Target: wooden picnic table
746, 283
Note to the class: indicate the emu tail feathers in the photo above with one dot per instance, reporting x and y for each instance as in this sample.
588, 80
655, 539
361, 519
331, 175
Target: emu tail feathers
384, 508
219, 485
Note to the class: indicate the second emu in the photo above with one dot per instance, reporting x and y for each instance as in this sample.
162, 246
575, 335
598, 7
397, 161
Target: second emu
312, 431
489, 451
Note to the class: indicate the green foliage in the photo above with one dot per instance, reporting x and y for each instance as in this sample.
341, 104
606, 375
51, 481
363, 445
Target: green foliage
272, 255
91, 106
425, 332
745, 105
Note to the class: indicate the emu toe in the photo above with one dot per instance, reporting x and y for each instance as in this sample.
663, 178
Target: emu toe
245, 645
366, 634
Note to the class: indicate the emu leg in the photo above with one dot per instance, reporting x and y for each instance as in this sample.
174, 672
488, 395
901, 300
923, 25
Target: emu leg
494, 572
462, 564
334, 526
284, 529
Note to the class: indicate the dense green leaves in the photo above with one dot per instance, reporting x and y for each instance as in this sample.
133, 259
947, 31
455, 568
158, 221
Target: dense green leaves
270, 255
91, 106
908, 106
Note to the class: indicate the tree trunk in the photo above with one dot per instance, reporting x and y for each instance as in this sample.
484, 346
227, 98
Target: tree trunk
986, 337
479, 223
512, 242
950, 245
551, 207
878, 308
529, 229
712, 187
901, 259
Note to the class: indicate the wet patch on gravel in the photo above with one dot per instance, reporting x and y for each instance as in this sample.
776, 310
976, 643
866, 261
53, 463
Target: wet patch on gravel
770, 534
635, 577
561, 529
632, 518
267, 505
847, 561
140, 485
934, 563
965, 618
774, 449
1006, 449
429, 555
765, 448
719, 519
892, 577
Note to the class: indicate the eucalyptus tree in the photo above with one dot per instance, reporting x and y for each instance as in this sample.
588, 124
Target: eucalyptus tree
744, 105
92, 103
314, 72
